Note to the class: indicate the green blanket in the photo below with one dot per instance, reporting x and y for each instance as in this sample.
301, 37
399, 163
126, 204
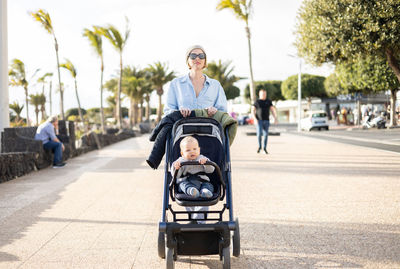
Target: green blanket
224, 119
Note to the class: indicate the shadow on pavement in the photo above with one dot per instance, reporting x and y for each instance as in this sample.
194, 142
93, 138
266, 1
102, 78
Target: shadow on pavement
17, 225
292, 244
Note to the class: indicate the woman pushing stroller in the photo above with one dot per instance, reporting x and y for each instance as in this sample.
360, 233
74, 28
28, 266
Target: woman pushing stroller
195, 116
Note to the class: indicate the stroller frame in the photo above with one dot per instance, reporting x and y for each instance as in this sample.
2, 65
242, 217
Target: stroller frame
177, 238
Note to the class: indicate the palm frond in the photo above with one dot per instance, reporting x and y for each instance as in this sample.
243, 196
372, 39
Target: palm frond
37, 99
95, 40
17, 73
16, 107
42, 79
70, 67
43, 17
241, 8
114, 36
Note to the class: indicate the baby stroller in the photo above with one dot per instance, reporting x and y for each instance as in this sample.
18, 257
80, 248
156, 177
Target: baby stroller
183, 235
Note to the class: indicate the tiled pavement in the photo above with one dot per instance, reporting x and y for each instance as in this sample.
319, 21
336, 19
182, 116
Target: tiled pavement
308, 204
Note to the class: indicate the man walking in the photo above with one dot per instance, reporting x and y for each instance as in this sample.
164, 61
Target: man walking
46, 133
260, 111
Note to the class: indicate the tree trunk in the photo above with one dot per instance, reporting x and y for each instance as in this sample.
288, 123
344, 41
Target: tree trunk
148, 108
359, 111
393, 121
309, 103
43, 111
141, 110
253, 96
27, 108
101, 99
118, 108
50, 100
79, 105
37, 115
131, 113
59, 82
43, 106
135, 113
159, 108
394, 64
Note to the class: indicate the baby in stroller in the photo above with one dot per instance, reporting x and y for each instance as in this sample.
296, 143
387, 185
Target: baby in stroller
192, 179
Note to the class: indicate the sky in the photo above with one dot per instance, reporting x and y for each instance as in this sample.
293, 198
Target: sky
161, 30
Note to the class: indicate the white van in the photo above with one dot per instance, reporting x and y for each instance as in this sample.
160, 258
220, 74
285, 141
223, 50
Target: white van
315, 120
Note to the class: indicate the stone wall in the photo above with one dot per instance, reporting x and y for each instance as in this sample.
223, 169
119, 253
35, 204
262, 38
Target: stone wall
17, 164
22, 154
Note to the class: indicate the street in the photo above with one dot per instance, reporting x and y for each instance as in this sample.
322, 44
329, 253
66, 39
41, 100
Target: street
310, 203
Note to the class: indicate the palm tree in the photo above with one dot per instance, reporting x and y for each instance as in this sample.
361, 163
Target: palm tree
222, 72
132, 83
71, 68
159, 75
112, 86
17, 109
96, 42
44, 18
18, 78
42, 80
242, 10
118, 42
37, 100
147, 90
110, 100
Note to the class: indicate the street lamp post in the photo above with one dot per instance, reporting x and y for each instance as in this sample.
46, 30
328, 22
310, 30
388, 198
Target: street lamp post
4, 110
299, 98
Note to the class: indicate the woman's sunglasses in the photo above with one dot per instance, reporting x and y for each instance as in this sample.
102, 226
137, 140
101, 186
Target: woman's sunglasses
194, 56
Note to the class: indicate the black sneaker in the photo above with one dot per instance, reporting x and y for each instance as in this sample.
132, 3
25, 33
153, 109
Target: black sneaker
59, 165
258, 150
265, 150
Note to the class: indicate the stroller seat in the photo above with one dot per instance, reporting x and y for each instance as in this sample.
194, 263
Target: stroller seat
211, 139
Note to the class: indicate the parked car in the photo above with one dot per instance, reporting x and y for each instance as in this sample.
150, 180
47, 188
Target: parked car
315, 120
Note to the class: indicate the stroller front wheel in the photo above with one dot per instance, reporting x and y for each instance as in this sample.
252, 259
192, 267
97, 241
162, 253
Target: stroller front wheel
236, 240
161, 245
226, 258
170, 258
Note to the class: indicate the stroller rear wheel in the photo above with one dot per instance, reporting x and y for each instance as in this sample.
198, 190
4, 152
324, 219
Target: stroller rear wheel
161, 245
170, 261
236, 240
226, 258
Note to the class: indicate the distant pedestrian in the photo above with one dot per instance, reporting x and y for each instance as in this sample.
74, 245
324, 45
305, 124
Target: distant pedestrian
47, 133
260, 110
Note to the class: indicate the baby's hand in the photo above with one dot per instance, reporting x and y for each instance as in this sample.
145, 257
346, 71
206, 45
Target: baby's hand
202, 160
177, 165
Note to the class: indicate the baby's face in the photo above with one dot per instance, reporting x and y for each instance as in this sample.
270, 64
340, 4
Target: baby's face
190, 151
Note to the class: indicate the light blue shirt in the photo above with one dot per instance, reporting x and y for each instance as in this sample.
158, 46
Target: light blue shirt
45, 132
181, 94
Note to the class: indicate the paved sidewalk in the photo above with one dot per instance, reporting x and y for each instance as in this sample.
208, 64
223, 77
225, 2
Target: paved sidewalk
310, 203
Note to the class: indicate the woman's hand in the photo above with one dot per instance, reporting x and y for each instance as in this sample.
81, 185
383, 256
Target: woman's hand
185, 112
211, 111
